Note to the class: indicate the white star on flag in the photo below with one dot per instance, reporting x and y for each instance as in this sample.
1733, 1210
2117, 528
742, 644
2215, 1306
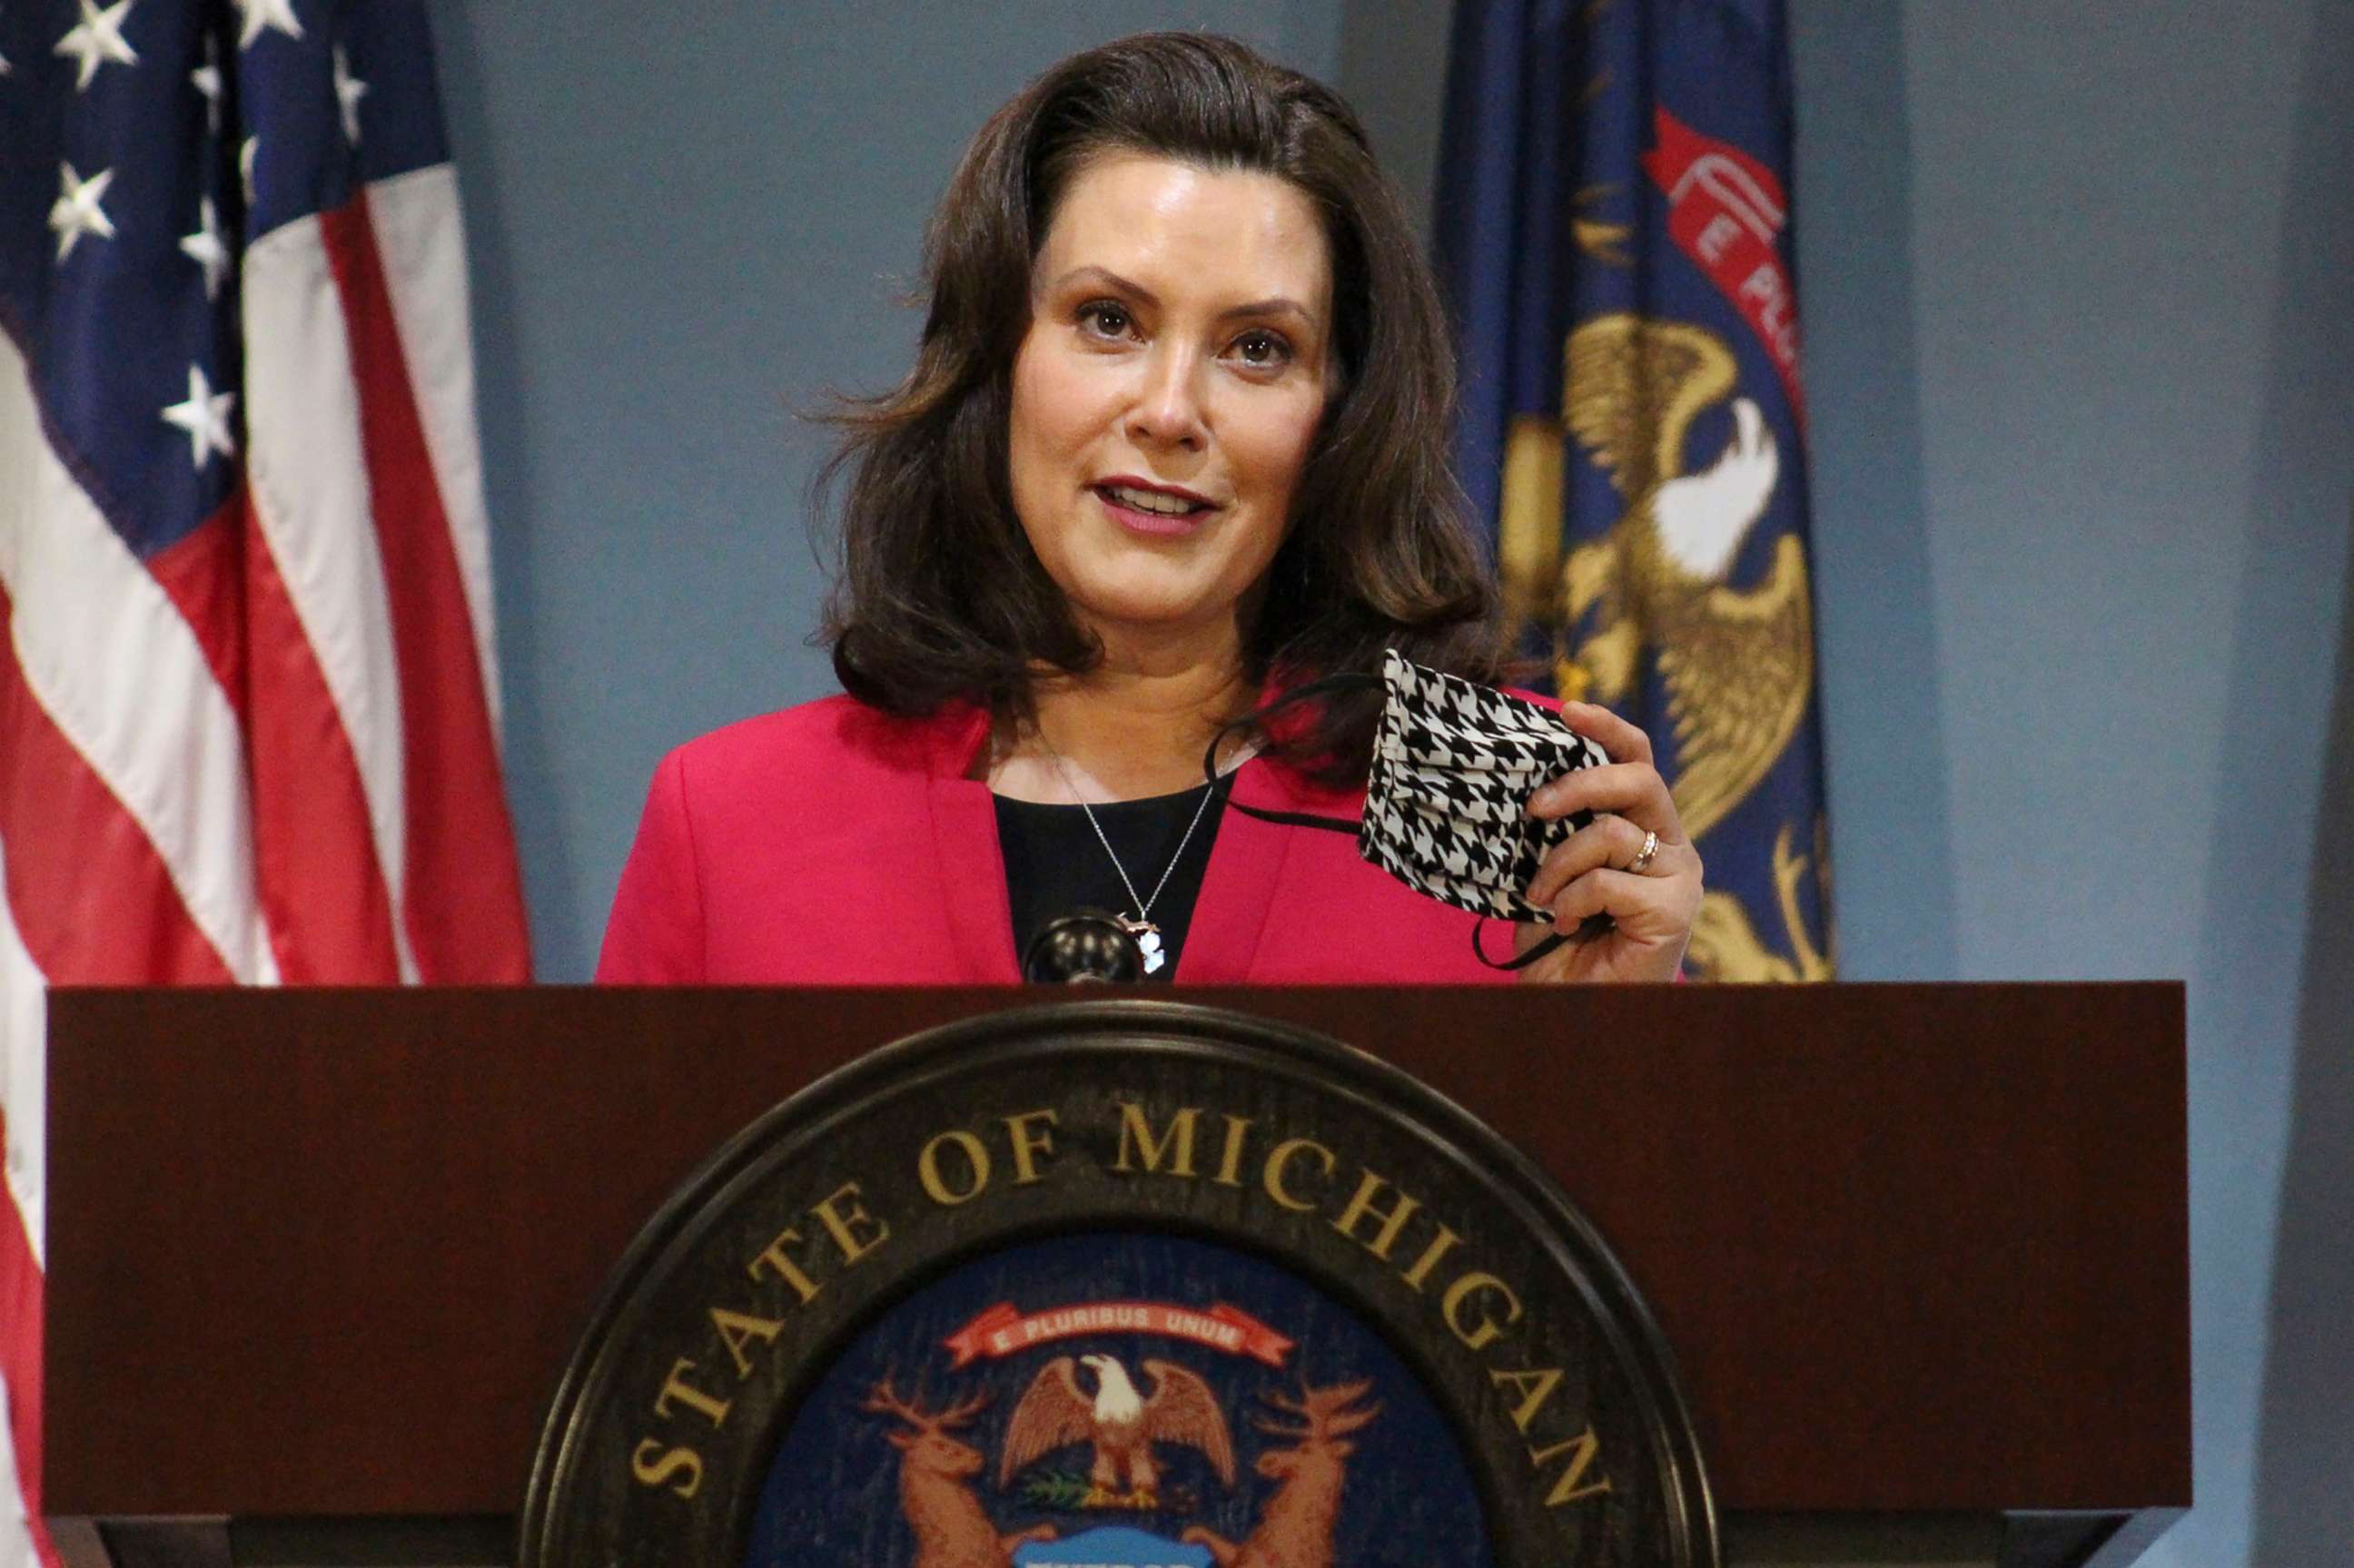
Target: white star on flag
245, 156
75, 211
207, 81
261, 13
96, 41
206, 249
349, 91
204, 416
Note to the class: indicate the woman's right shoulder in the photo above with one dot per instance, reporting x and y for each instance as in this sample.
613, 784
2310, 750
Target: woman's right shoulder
770, 816
834, 746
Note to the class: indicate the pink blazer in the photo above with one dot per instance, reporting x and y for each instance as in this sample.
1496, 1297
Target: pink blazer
833, 845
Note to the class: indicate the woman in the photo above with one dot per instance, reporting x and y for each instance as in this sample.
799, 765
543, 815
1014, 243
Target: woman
1175, 443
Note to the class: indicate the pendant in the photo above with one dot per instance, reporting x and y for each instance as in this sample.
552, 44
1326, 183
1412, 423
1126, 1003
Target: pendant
1147, 942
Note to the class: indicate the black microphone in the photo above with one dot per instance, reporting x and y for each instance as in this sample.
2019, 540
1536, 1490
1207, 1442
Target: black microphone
1089, 947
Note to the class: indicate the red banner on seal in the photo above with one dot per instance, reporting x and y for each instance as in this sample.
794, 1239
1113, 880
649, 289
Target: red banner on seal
1003, 1329
1727, 211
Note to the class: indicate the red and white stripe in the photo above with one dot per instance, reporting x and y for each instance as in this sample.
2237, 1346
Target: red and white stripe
269, 755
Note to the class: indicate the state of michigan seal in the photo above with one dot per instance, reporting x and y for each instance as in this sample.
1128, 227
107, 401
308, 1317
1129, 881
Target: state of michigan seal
1118, 1284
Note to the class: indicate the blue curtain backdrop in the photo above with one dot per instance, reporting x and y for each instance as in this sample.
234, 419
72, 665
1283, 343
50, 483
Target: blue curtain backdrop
1613, 222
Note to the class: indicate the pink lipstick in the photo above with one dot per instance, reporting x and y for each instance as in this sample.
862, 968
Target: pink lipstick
1154, 510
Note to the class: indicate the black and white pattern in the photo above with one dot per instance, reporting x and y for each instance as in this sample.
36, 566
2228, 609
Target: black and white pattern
1446, 802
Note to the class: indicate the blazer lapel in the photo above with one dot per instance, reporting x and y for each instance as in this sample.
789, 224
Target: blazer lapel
1221, 940
971, 865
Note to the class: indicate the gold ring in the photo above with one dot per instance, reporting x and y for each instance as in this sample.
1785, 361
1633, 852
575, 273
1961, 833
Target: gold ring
1642, 861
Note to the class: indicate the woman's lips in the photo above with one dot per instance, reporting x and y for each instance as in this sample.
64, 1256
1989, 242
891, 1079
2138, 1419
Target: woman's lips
1153, 524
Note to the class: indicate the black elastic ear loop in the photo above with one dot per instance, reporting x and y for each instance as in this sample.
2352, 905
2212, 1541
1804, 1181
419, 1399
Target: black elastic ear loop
1593, 926
1347, 681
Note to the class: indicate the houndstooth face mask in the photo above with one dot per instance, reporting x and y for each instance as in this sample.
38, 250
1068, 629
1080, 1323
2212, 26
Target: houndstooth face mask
1446, 802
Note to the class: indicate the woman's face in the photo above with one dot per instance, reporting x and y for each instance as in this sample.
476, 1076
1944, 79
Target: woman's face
1169, 388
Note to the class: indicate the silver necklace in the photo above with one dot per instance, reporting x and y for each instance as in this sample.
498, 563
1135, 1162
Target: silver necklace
1147, 934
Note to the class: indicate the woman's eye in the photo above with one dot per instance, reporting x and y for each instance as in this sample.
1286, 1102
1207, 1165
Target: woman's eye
1104, 318
1262, 350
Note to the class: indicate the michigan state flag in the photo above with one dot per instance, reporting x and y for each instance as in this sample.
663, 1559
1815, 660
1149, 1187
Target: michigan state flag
1614, 224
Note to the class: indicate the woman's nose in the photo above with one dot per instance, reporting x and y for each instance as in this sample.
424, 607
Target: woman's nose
1168, 408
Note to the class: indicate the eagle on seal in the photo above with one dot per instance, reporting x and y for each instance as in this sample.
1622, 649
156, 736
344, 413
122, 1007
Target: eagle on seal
1122, 1424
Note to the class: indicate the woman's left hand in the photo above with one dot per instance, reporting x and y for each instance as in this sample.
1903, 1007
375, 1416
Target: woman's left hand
1596, 869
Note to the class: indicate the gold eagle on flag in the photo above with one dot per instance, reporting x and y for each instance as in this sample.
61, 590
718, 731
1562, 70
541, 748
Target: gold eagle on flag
1738, 662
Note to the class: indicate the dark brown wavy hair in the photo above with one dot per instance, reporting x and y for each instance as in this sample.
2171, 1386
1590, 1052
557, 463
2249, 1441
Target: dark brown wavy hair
937, 596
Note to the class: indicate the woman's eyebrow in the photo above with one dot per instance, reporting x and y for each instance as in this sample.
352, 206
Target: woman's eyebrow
1275, 305
1109, 279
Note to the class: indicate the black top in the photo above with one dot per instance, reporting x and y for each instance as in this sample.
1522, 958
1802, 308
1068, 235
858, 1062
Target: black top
1056, 866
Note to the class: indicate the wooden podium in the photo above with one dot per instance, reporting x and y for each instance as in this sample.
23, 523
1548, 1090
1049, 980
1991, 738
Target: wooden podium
317, 1258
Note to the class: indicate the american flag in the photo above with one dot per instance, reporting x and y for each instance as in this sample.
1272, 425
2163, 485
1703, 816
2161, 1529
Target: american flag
248, 707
